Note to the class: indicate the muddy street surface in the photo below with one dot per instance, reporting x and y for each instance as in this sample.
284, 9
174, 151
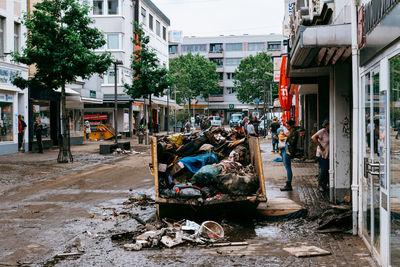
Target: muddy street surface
65, 214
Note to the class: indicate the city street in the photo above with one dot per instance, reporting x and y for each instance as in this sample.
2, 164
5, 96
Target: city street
52, 209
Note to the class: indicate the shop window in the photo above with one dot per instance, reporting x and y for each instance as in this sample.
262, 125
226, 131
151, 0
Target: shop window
41, 111
75, 117
6, 120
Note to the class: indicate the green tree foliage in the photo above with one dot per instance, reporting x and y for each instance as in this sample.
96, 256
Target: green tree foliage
61, 45
149, 78
249, 77
395, 89
194, 76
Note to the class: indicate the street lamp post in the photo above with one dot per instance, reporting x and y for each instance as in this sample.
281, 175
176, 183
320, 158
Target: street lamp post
175, 109
265, 128
117, 62
167, 111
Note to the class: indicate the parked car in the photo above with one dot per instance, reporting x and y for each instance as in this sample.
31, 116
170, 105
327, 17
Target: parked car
235, 120
216, 121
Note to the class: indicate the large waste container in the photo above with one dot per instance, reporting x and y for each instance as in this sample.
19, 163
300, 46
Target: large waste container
230, 202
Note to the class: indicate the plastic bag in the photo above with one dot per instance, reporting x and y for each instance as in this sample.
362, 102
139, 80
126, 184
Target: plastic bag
206, 175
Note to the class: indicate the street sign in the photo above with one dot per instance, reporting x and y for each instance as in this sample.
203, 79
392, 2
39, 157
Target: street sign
231, 106
194, 101
257, 100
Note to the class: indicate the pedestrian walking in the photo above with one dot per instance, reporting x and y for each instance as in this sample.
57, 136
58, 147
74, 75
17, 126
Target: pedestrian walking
187, 126
87, 130
321, 138
288, 152
274, 134
250, 129
21, 132
243, 125
38, 128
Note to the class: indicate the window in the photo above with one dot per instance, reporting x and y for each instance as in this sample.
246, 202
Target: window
230, 75
2, 22
16, 36
173, 49
113, 41
256, 47
234, 47
274, 45
98, 7
164, 33
218, 61
143, 14
194, 48
101, 6
158, 28
112, 7
109, 77
233, 61
216, 48
151, 22
230, 90
221, 76
6, 119
220, 92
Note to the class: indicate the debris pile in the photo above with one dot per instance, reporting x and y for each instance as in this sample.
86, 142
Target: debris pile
205, 166
171, 234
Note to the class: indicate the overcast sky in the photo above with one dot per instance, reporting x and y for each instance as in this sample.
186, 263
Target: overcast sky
215, 17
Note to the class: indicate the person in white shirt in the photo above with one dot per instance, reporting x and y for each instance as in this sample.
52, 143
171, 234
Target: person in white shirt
321, 138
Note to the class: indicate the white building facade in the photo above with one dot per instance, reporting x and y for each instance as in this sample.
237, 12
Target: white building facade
115, 18
13, 101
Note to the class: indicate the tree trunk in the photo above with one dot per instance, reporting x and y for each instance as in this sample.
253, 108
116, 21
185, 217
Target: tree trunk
150, 117
64, 155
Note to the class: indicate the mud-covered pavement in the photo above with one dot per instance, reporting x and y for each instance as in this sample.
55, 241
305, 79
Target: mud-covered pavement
48, 209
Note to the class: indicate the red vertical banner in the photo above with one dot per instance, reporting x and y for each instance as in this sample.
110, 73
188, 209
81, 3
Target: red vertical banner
285, 98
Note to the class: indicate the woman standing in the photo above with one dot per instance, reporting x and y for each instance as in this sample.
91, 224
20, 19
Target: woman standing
321, 138
288, 152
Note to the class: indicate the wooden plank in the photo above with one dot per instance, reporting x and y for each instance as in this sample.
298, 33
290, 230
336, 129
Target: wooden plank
279, 207
256, 160
154, 161
306, 251
329, 55
321, 55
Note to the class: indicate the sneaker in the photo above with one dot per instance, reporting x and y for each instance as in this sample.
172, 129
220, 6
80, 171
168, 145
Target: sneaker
287, 187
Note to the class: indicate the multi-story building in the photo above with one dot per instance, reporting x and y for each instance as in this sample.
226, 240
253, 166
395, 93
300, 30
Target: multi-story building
226, 52
115, 18
13, 101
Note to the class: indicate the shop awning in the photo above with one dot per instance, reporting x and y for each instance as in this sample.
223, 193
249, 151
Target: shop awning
322, 45
68, 91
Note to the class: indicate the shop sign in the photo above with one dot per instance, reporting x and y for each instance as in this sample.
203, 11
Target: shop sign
7, 75
361, 35
36, 108
95, 117
92, 93
231, 106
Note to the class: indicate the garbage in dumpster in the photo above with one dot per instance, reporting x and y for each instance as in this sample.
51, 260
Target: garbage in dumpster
216, 163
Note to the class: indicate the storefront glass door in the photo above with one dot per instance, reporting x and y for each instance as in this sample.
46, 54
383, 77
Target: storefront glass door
394, 140
374, 154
